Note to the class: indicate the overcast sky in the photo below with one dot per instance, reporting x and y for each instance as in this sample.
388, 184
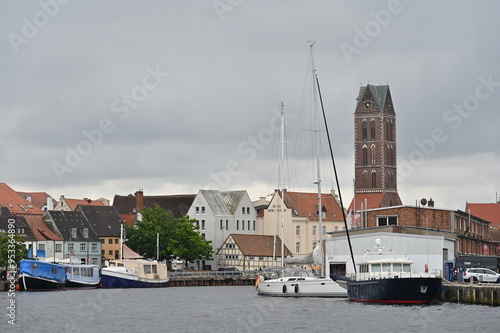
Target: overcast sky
102, 98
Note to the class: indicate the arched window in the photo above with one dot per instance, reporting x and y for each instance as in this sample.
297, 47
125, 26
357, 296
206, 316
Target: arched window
372, 129
365, 155
373, 154
374, 179
365, 179
363, 126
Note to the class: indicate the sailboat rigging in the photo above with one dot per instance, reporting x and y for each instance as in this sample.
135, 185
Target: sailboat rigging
299, 282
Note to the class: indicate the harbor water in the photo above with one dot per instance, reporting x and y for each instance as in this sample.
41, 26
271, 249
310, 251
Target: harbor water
228, 309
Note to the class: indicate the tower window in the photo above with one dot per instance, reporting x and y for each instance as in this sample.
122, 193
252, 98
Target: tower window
364, 129
374, 179
372, 129
365, 155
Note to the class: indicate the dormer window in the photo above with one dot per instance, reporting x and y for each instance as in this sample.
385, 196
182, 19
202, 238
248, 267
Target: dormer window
73, 232
85, 233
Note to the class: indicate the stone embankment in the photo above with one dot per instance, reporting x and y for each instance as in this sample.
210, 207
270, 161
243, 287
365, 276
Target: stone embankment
477, 293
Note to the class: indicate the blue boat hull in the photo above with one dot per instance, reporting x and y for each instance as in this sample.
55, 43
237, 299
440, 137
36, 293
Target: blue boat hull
117, 282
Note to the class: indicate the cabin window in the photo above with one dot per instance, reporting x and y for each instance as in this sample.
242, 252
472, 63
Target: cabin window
376, 268
147, 269
120, 264
397, 267
154, 268
386, 267
406, 268
363, 268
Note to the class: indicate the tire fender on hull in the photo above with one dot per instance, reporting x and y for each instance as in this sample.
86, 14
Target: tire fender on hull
284, 289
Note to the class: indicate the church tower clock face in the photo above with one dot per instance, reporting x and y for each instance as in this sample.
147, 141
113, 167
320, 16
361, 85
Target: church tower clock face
367, 105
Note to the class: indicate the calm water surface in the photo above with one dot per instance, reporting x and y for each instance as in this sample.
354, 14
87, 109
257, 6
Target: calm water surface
229, 309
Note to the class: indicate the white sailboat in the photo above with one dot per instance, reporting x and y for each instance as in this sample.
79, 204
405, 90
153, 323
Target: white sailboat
294, 281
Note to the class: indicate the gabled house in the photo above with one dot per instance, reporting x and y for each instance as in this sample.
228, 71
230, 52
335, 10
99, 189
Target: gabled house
130, 206
46, 244
71, 204
251, 252
80, 239
106, 223
41, 200
16, 204
19, 225
299, 214
221, 213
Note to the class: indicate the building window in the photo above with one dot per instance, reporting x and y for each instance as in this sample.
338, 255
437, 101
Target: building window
202, 224
314, 245
374, 154
220, 224
374, 179
227, 225
372, 129
110, 241
83, 247
110, 252
197, 209
73, 233
248, 225
387, 220
365, 155
116, 240
324, 231
242, 210
253, 225
297, 247
203, 209
41, 247
314, 230
94, 247
85, 233
248, 210
198, 224
364, 130
70, 246
21, 231
297, 230
242, 225
237, 224
58, 247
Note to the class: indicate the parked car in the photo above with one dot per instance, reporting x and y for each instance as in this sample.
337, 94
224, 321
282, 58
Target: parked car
231, 271
481, 274
179, 273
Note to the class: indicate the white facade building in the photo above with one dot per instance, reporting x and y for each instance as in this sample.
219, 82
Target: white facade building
221, 213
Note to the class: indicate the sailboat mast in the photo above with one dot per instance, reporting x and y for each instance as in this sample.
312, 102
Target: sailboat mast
335, 172
281, 185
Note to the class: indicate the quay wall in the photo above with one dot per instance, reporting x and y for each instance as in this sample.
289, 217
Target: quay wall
484, 294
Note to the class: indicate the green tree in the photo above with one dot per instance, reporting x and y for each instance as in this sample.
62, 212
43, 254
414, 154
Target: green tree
6, 243
186, 242
178, 237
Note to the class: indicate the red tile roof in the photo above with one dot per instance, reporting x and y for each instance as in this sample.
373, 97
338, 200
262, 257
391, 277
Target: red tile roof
73, 203
259, 245
306, 205
373, 200
16, 204
38, 199
487, 211
40, 229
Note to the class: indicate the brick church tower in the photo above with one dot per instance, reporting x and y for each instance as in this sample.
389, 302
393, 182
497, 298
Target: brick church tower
375, 168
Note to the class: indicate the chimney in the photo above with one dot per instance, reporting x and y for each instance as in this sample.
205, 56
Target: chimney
430, 203
139, 200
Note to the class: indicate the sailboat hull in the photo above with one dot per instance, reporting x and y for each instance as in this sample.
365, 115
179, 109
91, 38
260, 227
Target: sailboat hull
316, 287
